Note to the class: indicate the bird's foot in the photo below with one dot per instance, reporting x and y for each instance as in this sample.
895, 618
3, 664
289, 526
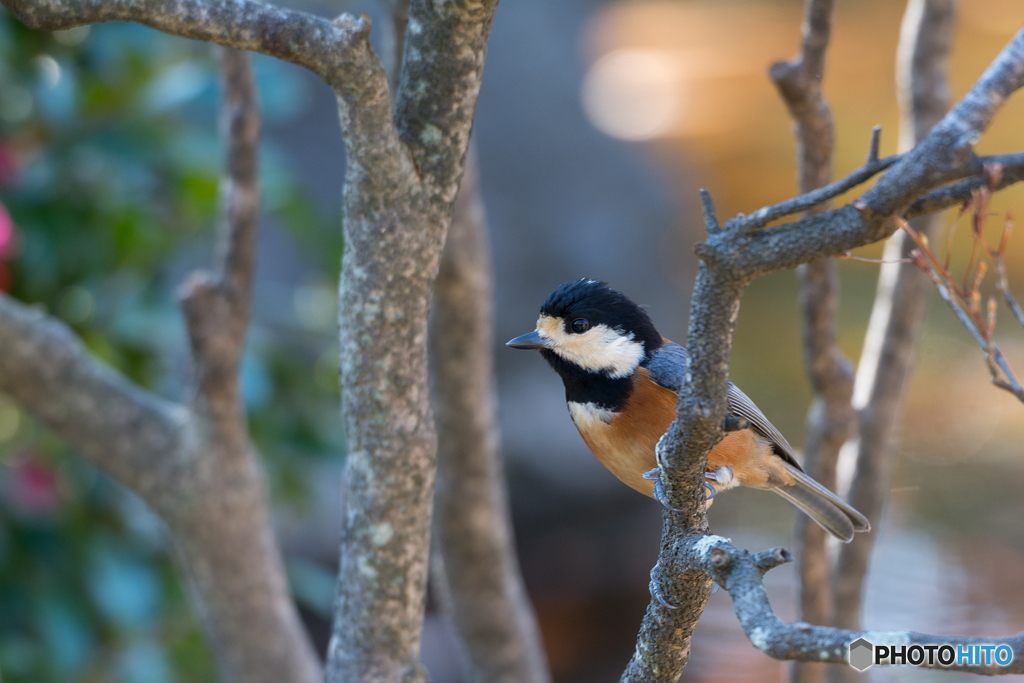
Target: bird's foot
659, 492
656, 589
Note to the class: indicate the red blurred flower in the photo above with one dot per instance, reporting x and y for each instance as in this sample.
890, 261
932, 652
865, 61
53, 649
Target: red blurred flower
6, 233
32, 487
5, 277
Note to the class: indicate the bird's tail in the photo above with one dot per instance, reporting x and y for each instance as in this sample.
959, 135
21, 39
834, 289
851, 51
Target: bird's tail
830, 511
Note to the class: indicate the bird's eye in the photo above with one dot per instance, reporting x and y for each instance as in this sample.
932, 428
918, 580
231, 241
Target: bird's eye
580, 325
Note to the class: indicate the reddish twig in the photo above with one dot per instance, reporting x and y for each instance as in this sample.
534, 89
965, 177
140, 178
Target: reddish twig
965, 299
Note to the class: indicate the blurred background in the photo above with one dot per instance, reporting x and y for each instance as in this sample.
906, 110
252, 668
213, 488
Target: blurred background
597, 123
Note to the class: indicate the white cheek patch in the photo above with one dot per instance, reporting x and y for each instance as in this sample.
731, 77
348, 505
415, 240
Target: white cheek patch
587, 416
599, 349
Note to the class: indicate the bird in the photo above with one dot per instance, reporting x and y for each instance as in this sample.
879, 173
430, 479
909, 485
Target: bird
621, 381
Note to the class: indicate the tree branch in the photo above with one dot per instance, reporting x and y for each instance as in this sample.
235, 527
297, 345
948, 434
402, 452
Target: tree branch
831, 417
740, 573
335, 50
216, 306
225, 533
488, 601
439, 86
813, 198
943, 156
897, 317
961, 192
663, 645
142, 440
965, 301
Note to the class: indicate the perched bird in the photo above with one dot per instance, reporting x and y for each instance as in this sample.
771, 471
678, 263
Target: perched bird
621, 379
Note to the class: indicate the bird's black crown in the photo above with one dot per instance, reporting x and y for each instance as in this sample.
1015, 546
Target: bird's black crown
601, 305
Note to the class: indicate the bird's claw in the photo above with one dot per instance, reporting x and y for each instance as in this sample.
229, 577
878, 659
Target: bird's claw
656, 590
659, 493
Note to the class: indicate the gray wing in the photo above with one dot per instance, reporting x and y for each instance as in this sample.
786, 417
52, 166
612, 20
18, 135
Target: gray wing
668, 369
668, 366
740, 405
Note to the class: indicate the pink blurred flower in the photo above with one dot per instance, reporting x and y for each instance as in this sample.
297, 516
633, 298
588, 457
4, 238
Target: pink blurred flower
6, 233
32, 487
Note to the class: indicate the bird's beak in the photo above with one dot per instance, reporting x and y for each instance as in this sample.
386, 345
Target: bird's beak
533, 340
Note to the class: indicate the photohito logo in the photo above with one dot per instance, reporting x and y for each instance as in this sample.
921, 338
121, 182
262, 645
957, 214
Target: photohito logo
864, 654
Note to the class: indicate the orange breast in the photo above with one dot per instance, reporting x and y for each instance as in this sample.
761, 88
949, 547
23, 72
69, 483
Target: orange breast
624, 442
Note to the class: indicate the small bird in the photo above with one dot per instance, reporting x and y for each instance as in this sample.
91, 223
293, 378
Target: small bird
621, 379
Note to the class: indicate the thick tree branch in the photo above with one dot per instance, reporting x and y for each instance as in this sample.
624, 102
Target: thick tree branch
831, 417
487, 598
897, 317
142, 440
663, 645
439, 85
397, 207
335, 50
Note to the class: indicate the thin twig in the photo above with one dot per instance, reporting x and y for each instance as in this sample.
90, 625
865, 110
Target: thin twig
873, 146
964, 300
809, 200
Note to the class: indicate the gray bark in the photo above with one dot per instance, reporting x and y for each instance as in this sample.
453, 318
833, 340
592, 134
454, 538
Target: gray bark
897, 317
484, 590
400, 188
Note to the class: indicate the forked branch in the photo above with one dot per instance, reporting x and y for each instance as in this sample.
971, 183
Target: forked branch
740, 573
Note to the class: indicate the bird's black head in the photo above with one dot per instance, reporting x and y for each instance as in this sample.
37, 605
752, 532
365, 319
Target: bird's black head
587, 326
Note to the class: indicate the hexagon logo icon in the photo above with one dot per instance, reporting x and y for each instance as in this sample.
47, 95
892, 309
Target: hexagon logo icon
861, 654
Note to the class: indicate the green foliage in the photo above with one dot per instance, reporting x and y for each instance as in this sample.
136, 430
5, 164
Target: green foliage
109, 171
